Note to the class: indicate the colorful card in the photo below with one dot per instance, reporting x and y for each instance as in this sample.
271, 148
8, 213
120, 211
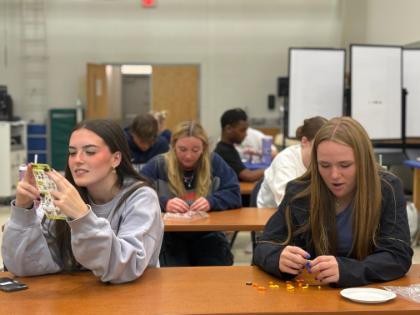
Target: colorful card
45, 186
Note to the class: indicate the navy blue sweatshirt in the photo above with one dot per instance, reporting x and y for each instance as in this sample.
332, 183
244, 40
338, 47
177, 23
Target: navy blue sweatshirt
224, 193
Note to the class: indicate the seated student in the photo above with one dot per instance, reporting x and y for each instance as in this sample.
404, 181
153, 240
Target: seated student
143, 139
189, 178
289, 164
234, 126
345, 214
114, 226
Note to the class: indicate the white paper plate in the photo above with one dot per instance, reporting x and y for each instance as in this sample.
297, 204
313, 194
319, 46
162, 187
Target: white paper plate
367, 295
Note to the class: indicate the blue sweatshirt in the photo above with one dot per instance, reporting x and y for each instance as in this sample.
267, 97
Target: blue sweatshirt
138, 156
224, 193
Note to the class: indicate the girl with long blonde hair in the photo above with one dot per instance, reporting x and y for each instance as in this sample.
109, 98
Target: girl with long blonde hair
190, 178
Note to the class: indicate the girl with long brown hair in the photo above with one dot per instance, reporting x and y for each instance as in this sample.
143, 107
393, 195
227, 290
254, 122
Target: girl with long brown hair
344, 219
113, 226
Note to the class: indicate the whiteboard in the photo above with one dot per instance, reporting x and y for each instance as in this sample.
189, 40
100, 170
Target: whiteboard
316, 85
376, 83
411, 79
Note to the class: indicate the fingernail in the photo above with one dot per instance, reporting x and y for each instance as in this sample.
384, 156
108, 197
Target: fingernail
308, 256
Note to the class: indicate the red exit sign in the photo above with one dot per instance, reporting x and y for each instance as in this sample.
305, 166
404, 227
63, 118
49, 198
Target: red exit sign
148, 3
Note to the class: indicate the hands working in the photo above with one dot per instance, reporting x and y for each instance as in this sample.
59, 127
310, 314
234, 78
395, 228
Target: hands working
293, 259
201, 204
326, 269
179, 205
66, 197
26, 191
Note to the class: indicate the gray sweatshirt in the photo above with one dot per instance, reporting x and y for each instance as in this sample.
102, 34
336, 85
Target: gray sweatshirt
28, 248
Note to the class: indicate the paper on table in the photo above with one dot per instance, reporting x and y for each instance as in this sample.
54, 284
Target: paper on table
186, 216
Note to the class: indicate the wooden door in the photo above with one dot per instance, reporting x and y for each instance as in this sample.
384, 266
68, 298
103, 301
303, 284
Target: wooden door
175, 88
97, 95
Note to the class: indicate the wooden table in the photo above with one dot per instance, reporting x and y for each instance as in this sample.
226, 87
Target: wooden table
190, 290
416, 181
246, 187
242, 219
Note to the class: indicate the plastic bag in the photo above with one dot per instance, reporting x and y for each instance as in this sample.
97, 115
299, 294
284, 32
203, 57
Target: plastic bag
189, 215
411, 292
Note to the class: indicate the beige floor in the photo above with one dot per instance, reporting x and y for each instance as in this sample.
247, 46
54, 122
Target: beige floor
240, 249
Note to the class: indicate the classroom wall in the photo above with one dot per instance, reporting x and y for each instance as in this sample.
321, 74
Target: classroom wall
355, 17
241, 45
387, 22
393, 22
10, 47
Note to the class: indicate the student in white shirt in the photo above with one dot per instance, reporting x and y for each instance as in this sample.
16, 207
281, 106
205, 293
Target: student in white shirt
290, 163
252, 145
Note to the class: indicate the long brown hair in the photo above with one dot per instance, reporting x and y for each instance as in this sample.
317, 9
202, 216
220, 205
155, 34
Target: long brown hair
203, 167
114, 138
367, 199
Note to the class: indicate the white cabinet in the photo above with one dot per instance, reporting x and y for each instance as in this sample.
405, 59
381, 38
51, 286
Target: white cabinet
12, 154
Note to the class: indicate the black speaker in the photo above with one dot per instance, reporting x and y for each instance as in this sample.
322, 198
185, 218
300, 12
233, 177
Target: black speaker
6, 104
271, 101
282, 86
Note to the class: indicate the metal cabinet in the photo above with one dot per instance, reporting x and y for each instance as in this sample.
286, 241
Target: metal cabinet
13, 153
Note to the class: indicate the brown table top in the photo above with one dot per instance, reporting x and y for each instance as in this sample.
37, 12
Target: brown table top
246, 187
190, 290
242, 219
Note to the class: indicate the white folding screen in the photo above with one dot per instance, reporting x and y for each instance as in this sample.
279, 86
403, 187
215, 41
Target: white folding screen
411, 81
316, 85
376, 83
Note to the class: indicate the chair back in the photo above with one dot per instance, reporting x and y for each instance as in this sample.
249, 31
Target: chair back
254, 193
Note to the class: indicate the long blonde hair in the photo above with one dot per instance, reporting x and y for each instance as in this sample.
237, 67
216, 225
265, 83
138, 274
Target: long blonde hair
367, 199
203, 167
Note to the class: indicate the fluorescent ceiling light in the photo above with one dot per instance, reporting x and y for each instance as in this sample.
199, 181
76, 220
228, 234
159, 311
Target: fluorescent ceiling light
136, 69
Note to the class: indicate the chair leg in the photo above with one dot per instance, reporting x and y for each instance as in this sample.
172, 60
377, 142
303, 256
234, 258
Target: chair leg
232, 240
416, 240
254, 240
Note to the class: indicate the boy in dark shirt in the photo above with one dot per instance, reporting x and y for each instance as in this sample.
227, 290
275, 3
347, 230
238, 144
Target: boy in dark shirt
143, 139
234, 126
